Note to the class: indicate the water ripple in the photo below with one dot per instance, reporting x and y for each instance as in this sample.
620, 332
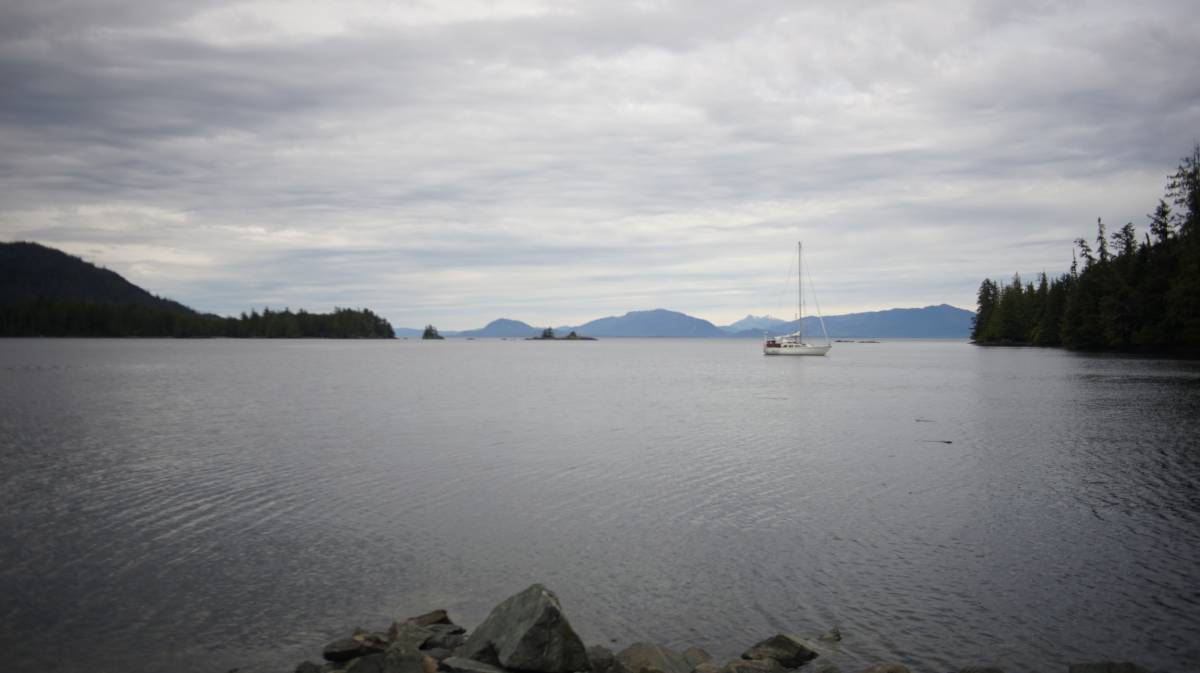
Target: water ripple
234, 504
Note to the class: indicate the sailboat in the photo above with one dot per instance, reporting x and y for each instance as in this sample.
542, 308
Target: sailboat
794, 344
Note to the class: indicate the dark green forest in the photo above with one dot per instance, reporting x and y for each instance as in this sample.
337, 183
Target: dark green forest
62, 318
1122, 293
46, 292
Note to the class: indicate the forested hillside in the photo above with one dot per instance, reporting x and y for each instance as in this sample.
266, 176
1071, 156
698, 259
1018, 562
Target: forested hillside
30, 271
46, 292
1125, 292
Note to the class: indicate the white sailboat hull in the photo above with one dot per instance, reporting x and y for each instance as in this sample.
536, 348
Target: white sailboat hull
794, 343
795, 349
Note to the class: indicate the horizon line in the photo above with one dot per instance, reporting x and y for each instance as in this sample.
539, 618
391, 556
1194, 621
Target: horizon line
715, 324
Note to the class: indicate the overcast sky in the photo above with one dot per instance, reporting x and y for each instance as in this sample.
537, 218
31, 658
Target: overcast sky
455, 162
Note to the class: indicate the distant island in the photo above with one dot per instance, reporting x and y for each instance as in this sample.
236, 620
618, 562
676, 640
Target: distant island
1129, 295
548, 335
46, 292
431, 333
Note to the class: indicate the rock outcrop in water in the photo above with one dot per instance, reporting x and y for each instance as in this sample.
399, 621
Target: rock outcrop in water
529, 633
789, 651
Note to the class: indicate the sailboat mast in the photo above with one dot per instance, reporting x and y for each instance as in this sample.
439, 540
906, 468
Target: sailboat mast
800, 288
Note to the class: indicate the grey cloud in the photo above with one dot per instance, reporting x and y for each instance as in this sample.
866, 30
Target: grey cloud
592, 151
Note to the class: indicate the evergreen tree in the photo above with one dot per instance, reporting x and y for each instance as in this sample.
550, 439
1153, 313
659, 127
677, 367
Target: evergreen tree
987, 299
1183, 297
1160, 223
1127, 295
1011, 314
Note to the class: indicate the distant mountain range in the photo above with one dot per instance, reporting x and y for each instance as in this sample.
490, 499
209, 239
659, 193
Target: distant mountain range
656, 323
500, 328
756, 322
931, 322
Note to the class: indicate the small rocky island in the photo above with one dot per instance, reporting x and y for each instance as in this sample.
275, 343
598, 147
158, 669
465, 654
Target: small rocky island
548, 335
529, 633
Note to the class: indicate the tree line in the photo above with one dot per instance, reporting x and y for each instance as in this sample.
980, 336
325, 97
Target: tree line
1125, 293
70, 318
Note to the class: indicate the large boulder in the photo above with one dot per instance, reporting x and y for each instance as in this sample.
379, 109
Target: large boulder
528, 632
788, 650
641, 657
1106, 667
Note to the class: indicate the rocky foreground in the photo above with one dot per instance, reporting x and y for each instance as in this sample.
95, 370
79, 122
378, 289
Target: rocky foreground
528, 633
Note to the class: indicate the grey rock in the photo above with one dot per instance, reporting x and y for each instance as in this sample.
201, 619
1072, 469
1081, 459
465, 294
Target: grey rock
529, 632
408, 635
1106, 667
788, 650
696, 656
444, 641
604, 661
827, 668
343, 649
642, 657
371, 663
307, 667
979, 669
400, 659
601, 658
430, 618
445, 628
833, 635
885, 668
706, 667
753, 666
373, 642
464, 665
438, 653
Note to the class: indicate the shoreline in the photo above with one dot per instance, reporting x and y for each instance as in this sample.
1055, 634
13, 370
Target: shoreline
528, 632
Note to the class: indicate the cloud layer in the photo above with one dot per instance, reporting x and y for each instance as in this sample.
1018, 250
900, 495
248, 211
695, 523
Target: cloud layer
553, 162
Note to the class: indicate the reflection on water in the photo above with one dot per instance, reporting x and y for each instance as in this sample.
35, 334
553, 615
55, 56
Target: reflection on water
201, 505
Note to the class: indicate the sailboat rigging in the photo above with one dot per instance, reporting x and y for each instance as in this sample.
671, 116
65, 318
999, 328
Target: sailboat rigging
794, 344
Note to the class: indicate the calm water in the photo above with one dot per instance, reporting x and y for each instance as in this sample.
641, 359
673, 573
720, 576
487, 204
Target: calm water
201, 505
